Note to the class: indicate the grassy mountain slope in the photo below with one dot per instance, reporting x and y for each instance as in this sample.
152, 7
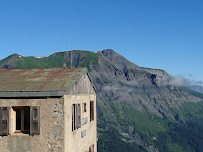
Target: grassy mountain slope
138, 109
60, 59
55, 60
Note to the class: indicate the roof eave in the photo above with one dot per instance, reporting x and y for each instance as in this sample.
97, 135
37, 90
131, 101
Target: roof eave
32, 94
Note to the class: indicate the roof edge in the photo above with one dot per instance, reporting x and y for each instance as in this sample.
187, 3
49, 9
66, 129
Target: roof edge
32, 94
73, 82
92, 82
84, 72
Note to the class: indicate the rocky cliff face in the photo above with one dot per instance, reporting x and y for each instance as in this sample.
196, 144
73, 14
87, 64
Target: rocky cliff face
145, 89
121, 83
136, 106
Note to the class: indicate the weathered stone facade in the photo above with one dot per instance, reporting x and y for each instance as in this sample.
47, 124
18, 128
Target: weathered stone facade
56, 133
80, 139
51, 127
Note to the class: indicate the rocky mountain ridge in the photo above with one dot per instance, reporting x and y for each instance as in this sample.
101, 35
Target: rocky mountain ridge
135, 104
197, 88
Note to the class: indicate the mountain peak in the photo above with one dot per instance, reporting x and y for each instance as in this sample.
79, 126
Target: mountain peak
108, 52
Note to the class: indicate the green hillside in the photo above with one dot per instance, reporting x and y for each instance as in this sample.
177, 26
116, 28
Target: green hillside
55, 60
58, 60
164, 134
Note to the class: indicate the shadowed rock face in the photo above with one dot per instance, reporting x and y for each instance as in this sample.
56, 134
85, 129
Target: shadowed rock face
10, 62
119, 80
123, 85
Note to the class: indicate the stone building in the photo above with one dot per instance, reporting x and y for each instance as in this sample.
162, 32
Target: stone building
47, 110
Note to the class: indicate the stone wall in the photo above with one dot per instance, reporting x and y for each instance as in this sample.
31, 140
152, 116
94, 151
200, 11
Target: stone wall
82, 138
51, 136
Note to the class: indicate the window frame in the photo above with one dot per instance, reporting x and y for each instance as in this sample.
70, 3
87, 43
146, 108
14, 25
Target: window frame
76, 116
8, 121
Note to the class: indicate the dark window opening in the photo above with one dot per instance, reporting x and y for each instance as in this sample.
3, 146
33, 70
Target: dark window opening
27, 119
73, 117
84, 107
18, 119
91, 110
22, 119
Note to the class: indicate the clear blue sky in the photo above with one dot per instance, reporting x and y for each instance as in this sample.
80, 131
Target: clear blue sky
165, 34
